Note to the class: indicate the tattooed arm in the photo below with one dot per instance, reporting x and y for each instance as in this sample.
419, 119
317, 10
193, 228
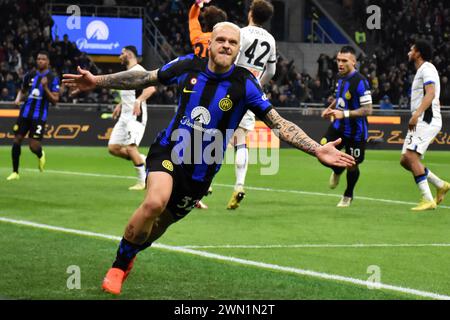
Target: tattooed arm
292, 134
127, 80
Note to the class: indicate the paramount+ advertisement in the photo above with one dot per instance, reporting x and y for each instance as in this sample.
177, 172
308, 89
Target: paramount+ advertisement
77, 127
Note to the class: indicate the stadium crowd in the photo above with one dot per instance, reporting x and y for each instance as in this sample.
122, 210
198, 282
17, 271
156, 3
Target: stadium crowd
25, 28
403, 21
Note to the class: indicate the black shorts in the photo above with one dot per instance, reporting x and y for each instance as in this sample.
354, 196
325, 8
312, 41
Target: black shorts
35, 128
356, 149
186, 192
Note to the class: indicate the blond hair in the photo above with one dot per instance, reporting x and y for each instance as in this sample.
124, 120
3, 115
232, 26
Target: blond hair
226, 24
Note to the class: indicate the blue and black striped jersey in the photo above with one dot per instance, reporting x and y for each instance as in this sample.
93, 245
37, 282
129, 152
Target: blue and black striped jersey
352, 91
36, 105
210, 108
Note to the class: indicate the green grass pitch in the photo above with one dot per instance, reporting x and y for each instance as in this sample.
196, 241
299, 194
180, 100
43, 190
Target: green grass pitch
86, 189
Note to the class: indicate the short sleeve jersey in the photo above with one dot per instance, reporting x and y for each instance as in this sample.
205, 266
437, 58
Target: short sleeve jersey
210, 108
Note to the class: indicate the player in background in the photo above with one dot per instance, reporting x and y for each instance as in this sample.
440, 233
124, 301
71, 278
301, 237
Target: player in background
41, 87
424, 125
349, 110
199, 35
258, 54
132, 114
175, 183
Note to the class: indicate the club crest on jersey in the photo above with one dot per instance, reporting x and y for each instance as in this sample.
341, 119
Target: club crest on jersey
168, 165
348, 95
226, 104
193, 81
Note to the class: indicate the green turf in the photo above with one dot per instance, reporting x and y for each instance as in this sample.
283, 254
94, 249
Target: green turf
36, 260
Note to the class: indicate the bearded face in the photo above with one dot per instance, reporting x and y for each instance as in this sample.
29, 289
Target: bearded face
124, 57
224, 46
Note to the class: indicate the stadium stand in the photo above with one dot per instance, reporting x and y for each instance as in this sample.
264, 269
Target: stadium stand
24, 37
385, 64
402, 22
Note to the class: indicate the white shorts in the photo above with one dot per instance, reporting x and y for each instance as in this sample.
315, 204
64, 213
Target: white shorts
420, 139
126, 133
248, 121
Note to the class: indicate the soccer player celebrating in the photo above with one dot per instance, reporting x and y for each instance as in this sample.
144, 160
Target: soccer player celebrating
352, 105
214, 95
258, 54
42, 88
132, 113
424, 125
200, 36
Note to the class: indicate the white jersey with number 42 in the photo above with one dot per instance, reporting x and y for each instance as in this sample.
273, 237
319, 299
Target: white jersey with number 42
258, 48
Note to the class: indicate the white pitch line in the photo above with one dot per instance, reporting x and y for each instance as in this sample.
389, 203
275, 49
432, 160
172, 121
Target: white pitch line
268, 266
321, 194
232, 186
83, 174
319, 246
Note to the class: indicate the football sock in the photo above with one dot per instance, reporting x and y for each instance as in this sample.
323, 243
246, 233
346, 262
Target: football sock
352, 179
338, 170
16, 149
241, 164
434, 179
37, 152
126, 252
140, 170
422, 184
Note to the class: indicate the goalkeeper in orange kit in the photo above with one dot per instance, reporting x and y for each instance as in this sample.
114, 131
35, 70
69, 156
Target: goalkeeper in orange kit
200, 35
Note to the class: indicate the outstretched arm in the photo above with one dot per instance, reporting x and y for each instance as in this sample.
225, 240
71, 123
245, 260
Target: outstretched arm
127, 80
292, 134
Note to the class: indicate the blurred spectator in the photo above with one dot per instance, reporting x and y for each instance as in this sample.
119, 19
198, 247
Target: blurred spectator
445, 91
6, 96
385, 103
318, 93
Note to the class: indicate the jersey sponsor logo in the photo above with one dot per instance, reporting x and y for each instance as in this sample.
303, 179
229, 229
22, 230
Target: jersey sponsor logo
188, 91
201, 115
340, 104
35, 93
348, 95
168, 165
226, 104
